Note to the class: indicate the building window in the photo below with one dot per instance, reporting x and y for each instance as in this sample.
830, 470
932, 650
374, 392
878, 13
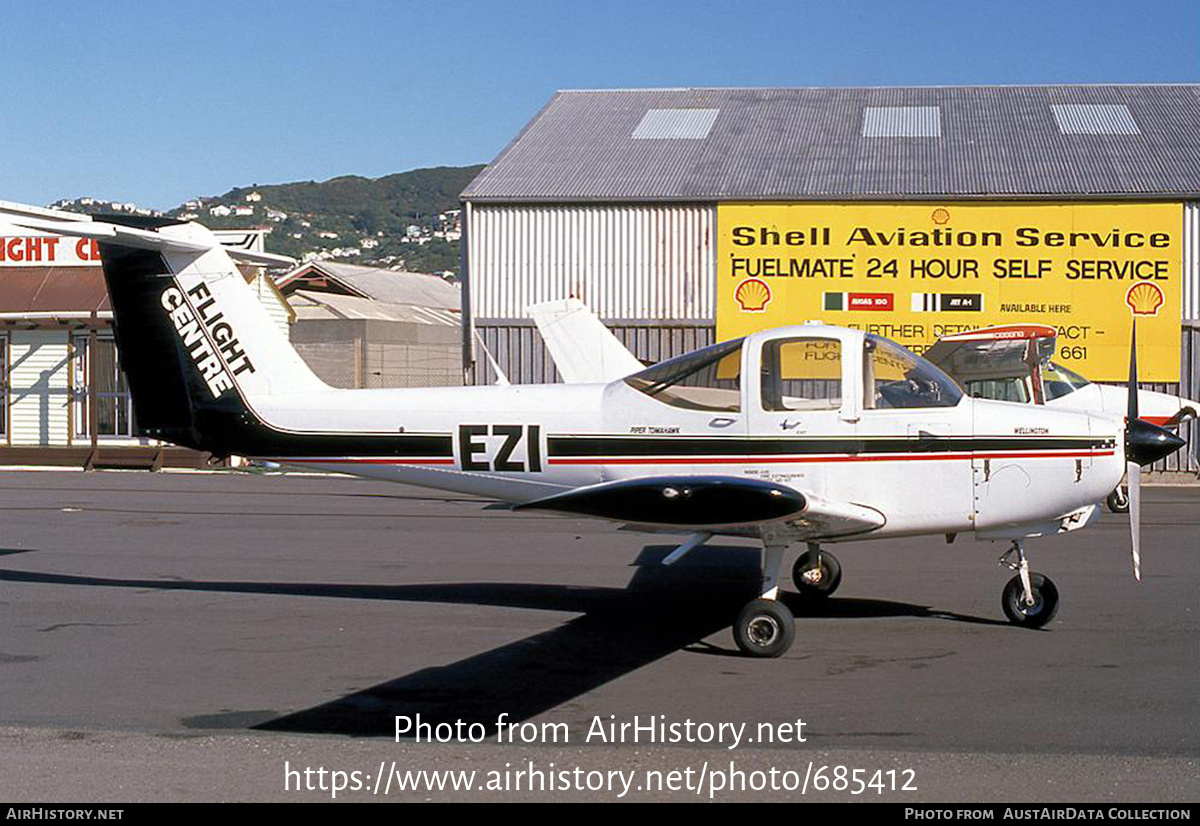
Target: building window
114, 404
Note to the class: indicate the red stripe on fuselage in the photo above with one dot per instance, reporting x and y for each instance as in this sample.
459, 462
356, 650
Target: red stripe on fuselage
738, 460
882, 457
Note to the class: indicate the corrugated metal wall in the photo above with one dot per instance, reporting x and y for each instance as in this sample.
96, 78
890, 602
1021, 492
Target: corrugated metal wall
1191, 262
1187, 459
39, 389
654, 262
518, 347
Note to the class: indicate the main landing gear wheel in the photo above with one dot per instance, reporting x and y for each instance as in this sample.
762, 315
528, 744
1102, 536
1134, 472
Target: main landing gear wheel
812, 580
1118, 500
1020, 612
764, 628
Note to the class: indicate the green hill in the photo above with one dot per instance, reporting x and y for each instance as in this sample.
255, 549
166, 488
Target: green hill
390, 221
394, 221
372, 203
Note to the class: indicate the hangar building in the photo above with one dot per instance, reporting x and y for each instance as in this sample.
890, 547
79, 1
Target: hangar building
629, 200
361, 326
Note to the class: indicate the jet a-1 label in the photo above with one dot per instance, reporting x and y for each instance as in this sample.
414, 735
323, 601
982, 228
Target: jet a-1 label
500, 447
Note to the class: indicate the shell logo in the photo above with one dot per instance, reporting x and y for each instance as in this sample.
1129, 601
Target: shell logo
1144, 298
753, 295
940, 215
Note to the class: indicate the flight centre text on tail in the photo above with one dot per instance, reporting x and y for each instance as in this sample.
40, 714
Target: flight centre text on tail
207, 336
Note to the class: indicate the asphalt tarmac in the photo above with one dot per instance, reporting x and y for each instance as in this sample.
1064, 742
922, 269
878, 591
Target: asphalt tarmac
181, 636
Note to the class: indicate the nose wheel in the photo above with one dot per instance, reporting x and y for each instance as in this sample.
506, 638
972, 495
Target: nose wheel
816, 573
1029, 599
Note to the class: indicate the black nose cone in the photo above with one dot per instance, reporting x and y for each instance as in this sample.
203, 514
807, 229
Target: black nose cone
1146, 443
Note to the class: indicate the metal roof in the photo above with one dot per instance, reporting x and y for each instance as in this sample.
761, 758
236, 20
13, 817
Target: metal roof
312, 304
44, 290
389, 286
824, 143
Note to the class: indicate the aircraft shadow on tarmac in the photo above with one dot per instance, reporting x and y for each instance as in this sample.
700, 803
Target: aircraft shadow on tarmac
662, 610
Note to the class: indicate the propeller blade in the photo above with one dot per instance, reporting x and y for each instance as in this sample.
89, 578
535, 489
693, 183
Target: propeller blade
1132, 412
1145, 443
1134, 471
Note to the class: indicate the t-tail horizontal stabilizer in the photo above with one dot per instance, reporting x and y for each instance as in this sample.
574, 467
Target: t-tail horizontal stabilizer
128, 234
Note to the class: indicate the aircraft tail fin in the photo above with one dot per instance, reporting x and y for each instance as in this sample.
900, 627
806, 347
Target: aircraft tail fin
196, 346
583, 349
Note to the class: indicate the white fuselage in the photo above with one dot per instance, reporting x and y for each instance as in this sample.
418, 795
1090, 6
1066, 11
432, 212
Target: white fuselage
1000, 469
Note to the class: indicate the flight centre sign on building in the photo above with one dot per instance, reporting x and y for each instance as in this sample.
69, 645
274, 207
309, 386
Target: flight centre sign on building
916, 271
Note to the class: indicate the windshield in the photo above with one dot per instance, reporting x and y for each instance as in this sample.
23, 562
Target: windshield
1058, 381
708, 379
899, 378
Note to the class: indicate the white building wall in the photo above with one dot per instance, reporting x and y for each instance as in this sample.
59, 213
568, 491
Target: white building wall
653, 262
39, 387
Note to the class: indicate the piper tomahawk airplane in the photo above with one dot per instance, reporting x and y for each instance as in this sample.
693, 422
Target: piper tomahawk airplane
810, 434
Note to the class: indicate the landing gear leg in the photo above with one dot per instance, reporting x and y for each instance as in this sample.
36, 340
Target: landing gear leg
765, 627
1030, 599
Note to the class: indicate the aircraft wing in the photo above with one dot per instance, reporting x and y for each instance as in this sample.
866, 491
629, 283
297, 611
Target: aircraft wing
75, 225
715, 503
583, 349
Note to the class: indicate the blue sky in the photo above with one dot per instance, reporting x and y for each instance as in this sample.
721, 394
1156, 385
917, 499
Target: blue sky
155, 102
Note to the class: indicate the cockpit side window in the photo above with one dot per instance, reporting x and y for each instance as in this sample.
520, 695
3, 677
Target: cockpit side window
898, 378
1008, 389
708, 379
802, 374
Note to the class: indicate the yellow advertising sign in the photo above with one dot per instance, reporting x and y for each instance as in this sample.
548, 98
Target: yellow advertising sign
914, 272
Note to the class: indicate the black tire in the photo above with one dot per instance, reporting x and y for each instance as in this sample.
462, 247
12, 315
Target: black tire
1045, 601
831, 574
764, 628
1118, 500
